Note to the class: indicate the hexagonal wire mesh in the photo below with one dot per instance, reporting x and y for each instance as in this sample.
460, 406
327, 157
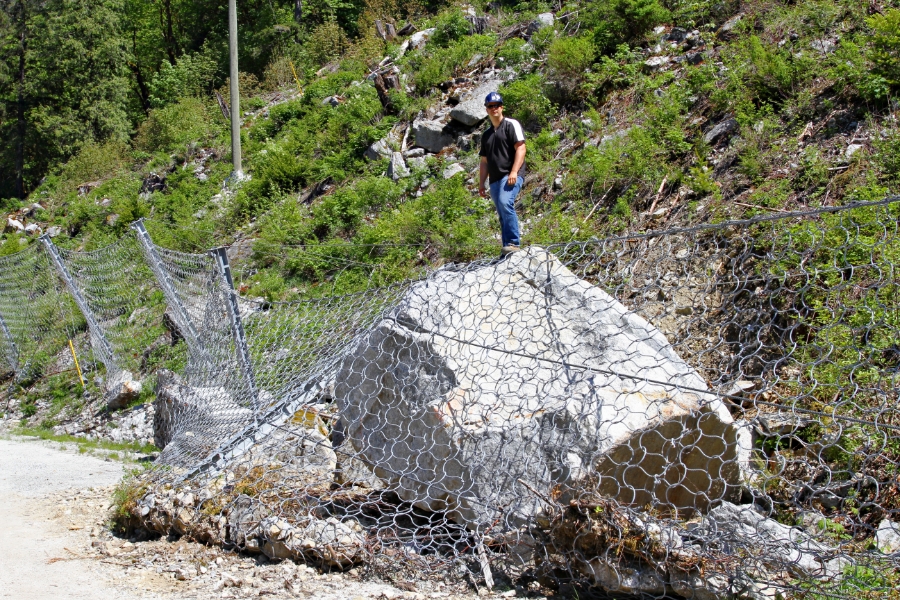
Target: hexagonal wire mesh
698, 412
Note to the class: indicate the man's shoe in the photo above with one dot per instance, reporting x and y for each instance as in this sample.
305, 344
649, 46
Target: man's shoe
508, 250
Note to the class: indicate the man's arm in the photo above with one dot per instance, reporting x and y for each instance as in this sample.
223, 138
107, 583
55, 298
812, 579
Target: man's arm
482, 176
517, 163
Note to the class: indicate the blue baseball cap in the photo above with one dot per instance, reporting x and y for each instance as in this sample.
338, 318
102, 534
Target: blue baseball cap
493, 98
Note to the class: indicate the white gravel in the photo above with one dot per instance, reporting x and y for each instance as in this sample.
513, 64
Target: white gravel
54, 545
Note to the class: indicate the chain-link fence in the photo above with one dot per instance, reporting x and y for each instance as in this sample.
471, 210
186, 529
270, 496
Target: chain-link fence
701, 413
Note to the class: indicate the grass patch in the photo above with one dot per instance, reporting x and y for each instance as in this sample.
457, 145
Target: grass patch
85, 445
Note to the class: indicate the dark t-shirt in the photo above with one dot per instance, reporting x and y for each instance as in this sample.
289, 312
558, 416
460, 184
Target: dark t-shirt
499, 146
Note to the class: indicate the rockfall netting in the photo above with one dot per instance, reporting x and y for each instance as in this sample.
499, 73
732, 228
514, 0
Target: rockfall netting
701, 413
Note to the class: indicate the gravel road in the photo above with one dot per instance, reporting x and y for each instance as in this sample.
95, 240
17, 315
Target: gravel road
54, 544
30, 538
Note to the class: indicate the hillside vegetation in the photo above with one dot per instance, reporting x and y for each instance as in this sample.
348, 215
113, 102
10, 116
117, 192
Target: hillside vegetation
641, 114
698, 110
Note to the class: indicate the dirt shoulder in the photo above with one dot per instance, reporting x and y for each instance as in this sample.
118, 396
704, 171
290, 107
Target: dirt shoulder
54, 504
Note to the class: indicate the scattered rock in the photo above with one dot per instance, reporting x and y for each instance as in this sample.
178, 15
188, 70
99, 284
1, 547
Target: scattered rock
14, 225
406, 29
887, 537
330, 541
419, 39
397, 168
726, 31
121, 389
853, 149
431, 135
33, 229
453, 169
414, 152
54, 231
540, 22
657, 63
723, 130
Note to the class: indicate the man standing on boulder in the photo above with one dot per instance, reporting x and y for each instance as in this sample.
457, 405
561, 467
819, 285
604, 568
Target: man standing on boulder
503, 163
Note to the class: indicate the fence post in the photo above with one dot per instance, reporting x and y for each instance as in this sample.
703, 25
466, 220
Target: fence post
168, 287
237, 328
103, 347
12, 351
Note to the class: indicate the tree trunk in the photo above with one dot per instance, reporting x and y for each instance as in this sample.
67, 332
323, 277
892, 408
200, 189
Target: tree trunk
20, 106
143, 92
165, 17
298, 12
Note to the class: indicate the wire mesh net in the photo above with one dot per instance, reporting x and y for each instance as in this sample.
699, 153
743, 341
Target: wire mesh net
699, 413
124, 301
37, 317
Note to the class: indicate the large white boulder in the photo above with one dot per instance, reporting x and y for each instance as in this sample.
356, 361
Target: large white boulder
470, 111
494, 385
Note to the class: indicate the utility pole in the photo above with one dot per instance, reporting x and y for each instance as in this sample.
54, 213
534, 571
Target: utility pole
234, 91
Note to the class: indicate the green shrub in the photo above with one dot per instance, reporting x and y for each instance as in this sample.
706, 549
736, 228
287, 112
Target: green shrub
191, 76
622, 21
438, 65
174, 126
513, 52
524, 101
450, 26
327, 42
568, 60
10, 245
852, 73
885, 49
94, 161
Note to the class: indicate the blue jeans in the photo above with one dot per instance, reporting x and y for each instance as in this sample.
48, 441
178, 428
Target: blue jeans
504, 197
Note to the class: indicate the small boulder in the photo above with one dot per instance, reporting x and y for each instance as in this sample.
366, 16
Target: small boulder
726, 31
887, 538
723, 130
121, 389
397, 169
14, 225
540, 22
657, 63
853, 149
33, 229
192, 420
470, 111
453, 169
770, 546
418, 40
431, 135
380, 150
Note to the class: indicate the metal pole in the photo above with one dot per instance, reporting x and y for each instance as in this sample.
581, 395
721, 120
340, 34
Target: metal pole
12, 350
234, 91
168, 287
104, 349
237, 328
